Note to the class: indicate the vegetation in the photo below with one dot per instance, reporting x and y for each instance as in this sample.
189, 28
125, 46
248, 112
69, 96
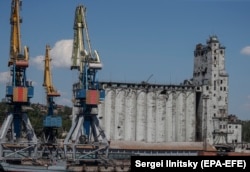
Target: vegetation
3, 110
38, 112
246, 131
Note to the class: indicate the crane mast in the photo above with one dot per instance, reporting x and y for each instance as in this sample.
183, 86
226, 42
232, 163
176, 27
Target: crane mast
85, 129
19, 91
51, 122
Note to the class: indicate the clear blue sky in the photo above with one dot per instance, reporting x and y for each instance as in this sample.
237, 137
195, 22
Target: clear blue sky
134, 38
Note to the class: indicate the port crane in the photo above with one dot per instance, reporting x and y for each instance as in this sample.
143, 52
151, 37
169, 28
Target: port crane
51, 121
17, 137
86, 139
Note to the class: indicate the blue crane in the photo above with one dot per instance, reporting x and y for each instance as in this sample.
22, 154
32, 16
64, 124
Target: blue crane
16, 127
51, 122
86, 138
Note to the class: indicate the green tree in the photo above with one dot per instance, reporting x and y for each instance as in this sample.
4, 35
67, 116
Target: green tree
246, 131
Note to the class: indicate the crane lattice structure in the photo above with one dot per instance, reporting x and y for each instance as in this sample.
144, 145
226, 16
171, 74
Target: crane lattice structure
86, 140
17, 136
51, 122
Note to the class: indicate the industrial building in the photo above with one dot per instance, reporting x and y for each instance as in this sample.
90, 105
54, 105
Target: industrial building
194, 111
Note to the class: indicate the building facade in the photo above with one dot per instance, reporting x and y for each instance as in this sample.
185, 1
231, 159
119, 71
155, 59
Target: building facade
210, 74
148, 113
196, 110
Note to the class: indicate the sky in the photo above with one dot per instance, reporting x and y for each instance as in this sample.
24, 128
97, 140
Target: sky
136, 40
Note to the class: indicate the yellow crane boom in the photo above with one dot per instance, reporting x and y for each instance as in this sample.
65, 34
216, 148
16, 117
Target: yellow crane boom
16, 55
50, 90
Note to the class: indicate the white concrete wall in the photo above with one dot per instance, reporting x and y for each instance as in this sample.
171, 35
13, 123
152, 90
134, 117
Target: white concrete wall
141, 116
190, 117
160, 117
120, 114
235, 134
133, 114
130, 115
169, 121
